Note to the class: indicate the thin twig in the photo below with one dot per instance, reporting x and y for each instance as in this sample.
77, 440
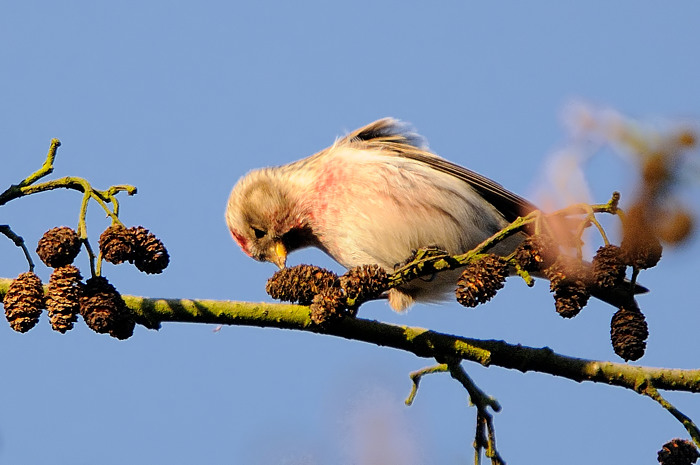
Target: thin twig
27, 186
650, 391
91, 256
103, 197
46, 168
527, 277
482, 402
19, 242
417, 375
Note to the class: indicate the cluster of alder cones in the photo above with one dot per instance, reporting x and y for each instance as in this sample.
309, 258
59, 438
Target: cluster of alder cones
330, 296
100, 304
571, 281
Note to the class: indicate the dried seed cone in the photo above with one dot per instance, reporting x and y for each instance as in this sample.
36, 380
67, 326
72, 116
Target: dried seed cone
480, 280
24, 301
678, 452
63, 297
567, 270
151, 256
569, 280
570, 299
329, 306
58, 247
641, 253
300, 283
117, 244
629, 332
102, 306
608, 267
536, 253
364, 283
123, 327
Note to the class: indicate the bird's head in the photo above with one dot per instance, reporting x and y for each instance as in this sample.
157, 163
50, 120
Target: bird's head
264, 219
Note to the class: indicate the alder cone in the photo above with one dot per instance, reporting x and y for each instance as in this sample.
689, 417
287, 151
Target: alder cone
629, 332
364, 282
58, 247
608, 267
24, 302
535, 253
300, 283
63, 297
104, 310
329, 306
481, 280
117, 244
569, 280
150, 256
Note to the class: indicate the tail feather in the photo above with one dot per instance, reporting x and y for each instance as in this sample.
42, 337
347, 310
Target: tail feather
619, 295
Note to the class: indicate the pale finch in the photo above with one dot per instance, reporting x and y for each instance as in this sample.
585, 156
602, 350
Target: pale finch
373, 197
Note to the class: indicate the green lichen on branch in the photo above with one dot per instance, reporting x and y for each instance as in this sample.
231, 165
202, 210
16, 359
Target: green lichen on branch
46, 168
27, 186
422, 342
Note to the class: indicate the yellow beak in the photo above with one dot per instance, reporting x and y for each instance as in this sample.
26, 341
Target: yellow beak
278, 255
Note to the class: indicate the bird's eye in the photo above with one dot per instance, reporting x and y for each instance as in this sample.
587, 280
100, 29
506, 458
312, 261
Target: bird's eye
259, 233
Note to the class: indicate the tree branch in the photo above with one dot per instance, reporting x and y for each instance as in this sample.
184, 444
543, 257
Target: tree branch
419, 341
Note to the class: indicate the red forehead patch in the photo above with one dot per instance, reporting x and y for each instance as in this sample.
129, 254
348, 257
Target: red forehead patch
241, 241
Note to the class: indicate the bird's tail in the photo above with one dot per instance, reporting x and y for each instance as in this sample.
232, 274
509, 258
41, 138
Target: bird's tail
619, 295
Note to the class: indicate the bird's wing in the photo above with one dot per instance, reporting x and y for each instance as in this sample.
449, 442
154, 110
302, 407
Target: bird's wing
395, 137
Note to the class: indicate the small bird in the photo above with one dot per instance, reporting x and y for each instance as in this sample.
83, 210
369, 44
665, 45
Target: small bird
373, 197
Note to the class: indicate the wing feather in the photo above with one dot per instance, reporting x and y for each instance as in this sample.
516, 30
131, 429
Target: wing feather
395, 137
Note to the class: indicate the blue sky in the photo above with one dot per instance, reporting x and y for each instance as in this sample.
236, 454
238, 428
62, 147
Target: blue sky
183, 98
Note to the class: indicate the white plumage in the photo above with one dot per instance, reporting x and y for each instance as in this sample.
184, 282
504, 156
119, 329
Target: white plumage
373, 197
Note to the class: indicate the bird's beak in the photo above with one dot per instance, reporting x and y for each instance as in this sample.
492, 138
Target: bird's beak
278, 254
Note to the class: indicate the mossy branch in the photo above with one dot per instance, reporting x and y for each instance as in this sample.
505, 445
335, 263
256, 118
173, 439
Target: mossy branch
422, 342
27, 186
46, 168
67, 182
